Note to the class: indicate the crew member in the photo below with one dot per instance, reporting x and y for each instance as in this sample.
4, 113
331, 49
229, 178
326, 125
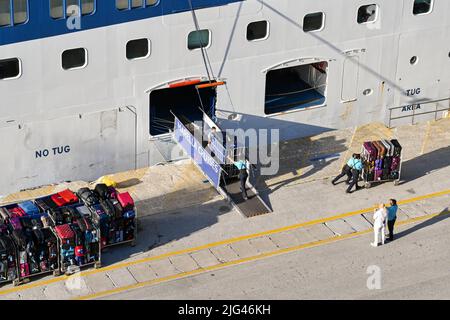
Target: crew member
243, 176
357, 167
346, 170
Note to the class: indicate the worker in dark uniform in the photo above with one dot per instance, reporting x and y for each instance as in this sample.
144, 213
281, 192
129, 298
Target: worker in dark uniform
243, 176
346, 170
357, 167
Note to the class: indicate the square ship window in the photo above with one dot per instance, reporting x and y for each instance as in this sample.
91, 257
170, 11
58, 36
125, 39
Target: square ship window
9, 68
5, 13
367, 13
313, 21
198, 39
139, 48
295, 88
74, 59
422, 6
257, 30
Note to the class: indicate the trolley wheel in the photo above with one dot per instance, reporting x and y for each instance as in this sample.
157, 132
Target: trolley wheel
26, 280
367, 185
16, 282
56, 273
396, 182
97, 265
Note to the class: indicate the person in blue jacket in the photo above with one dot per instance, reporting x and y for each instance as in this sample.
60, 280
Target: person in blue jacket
357, 167
346, 170
243, 176
391, 218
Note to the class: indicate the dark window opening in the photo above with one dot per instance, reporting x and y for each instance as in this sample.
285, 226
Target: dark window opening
367, 13
139, 48
313, 21
74, 58
184, 102
422, 6
198, 39
9, 68
257, 30
296, 87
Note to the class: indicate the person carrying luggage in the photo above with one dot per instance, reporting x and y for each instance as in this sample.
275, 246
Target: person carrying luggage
346, 170
356, 171
392, 217
243, 176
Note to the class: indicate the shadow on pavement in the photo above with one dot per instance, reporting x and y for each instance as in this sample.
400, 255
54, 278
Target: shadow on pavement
441, 216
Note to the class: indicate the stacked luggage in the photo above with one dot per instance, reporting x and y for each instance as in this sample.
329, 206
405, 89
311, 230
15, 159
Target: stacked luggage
112, 212
34, 241
382, 161
8, 253
63, 230
78, 239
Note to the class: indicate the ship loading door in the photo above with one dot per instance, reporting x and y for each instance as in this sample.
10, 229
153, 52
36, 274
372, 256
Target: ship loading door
350, 78
183, 99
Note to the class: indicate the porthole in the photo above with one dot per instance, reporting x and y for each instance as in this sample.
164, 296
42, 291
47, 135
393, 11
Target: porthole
367, 92
413, 60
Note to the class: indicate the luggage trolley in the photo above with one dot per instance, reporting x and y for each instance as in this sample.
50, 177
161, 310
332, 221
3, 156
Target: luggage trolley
33, 241
382, 162
77, 237
9, 263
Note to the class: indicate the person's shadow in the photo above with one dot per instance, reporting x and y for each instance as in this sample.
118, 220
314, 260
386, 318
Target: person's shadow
444, 214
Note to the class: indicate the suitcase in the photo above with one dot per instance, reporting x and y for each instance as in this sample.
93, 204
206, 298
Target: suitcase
117, 208
391, 147
4, 214
395, 164
84, 211
16, 212
57, 216
68, 196
87, 196
19, 239
58, 200
65, 232
102, 190
129, 215
108, 208
370, 151
125, 200
378, 174
29, 208
45, 203
46, 222
387, 146
112, 193
15, 223
38, 236
382, 153
397, 148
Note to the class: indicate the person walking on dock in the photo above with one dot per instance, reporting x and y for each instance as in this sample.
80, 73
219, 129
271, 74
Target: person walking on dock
392, 217
379, 224
243, 176
346, 170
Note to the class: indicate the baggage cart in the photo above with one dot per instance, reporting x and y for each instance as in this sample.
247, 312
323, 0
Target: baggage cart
89, 242
9, 268
390, 176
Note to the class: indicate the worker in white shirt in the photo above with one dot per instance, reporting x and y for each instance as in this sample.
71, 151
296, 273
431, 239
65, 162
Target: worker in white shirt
379, 224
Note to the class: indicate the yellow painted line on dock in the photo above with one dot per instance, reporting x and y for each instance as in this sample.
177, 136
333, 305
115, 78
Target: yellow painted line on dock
249, 259
215, 244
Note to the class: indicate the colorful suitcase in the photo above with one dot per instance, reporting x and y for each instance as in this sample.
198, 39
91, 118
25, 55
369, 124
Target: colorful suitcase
378, 174
370, 151
58, 200
29, 208
84, 211
68, 196
16, 212
387, 146
382, 149
88, 197
102, 190
65, 232
397, 148
125, 200
45, 204
15, 223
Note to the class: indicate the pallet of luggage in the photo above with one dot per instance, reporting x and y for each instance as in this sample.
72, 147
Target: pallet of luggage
63, 232
382, 161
